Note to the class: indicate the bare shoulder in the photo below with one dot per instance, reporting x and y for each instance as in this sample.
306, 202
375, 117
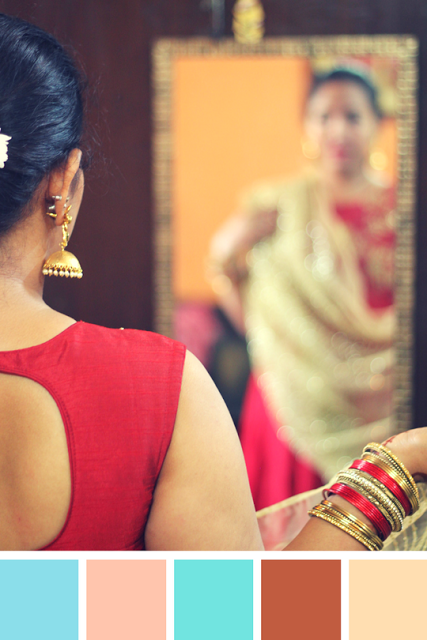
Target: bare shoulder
202, 499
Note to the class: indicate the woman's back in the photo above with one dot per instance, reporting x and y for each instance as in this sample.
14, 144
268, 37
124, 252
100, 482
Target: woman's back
35, 482
86, 420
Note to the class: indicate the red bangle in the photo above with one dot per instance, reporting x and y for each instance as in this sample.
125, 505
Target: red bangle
386, 480
369, 510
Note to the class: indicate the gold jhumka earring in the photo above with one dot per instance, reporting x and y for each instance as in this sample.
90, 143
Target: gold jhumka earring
63, 263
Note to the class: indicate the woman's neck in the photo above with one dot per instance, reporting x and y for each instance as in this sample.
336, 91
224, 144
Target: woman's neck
25, 318
21, 260
348, 187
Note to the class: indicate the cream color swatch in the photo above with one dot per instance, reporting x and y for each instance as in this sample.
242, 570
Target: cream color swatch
387, 599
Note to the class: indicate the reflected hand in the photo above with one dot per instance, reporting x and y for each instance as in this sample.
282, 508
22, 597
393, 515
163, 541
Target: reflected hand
261, 225
230, 245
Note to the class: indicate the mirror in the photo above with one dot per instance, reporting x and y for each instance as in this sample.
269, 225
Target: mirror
235, 131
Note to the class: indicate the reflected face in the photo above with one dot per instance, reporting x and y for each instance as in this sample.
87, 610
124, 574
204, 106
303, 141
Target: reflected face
342, 123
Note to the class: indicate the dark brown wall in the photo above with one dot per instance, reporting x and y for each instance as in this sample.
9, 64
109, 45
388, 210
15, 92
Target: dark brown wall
113, 38
113, 237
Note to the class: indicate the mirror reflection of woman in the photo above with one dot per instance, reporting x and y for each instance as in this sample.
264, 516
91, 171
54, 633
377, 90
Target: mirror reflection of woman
310, 261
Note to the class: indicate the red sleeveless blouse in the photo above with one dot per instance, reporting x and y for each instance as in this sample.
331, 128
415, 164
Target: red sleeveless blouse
117, 391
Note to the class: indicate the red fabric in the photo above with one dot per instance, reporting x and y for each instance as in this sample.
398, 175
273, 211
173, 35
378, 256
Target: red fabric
117, 391
274, 471
371, 235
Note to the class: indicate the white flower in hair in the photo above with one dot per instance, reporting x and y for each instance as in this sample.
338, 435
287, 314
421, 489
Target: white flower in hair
4, 141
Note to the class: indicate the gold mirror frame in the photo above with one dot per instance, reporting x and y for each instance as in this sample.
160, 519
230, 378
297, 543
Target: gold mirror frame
404, 50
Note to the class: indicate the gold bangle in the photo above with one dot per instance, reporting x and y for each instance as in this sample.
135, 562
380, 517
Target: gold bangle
324, 513
347, 528
394, 459
341, 526
352, 521
361, 525
396, 476
389, 515
349, 520
383, 489
374, 495
391, 470
380, 448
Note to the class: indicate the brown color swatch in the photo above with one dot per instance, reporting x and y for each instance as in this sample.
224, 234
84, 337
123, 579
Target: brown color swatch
301, 599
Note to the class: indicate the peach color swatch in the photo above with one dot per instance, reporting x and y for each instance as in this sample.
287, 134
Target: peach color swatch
126, 599
387, 599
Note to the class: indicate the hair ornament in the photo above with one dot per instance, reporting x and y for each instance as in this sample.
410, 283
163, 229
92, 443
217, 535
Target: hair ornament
4, 141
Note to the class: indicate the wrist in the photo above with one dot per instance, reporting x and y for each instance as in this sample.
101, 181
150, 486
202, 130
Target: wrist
406, 447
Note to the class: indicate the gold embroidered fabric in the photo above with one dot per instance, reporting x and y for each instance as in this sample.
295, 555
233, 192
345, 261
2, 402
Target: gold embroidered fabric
281, 523
323, 357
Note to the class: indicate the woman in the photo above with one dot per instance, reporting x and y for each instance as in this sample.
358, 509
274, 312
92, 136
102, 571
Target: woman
88, 460
109, 439
317, 298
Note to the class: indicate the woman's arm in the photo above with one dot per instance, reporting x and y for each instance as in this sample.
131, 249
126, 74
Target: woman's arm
411, 449
202, 499
227, 266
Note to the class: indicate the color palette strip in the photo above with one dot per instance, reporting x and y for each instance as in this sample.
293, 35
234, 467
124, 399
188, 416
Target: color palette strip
191, 598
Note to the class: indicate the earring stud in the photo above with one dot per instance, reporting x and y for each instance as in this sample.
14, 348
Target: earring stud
51, 210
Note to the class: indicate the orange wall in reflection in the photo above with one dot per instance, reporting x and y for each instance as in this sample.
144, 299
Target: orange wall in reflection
235, 121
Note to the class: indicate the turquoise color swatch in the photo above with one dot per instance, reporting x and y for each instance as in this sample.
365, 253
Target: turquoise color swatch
39, 599
213, 599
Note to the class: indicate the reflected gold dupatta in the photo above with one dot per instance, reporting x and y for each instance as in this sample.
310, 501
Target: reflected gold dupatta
323, 357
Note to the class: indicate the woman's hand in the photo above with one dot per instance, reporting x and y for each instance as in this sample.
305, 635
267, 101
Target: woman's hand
260, 225
411, 448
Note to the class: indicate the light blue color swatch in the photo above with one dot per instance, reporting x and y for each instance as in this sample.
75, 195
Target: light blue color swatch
39, 599
213, 599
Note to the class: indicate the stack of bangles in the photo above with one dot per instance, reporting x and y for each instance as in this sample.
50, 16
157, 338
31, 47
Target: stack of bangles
381, 487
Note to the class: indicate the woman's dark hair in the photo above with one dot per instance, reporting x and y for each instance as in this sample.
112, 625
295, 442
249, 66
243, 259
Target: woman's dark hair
41, 108
346, 74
